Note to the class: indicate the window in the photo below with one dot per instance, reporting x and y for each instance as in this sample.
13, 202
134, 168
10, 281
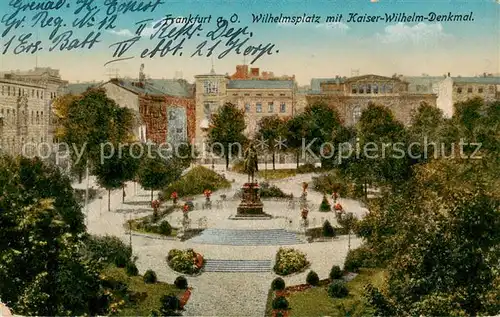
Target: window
247, 95
389, 89
480, 90
492, 89
32, 117
258, 95
211, 87
459, 90
356, 114
179, 130
361, 89
41, 117
270, 107
469, 90
258, 107
271, 95
368, 89
375, 89
283, 107
32, 93
19, 92
247, 107
38, 93
282, 95
235, 94
354, 89
37, 118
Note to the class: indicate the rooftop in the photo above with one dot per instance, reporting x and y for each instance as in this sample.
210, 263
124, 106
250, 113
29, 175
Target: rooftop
260, 84
488, 80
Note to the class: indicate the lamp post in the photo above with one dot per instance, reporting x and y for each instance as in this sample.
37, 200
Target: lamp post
100, 205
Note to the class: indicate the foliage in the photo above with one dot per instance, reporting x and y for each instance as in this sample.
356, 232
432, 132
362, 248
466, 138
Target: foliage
196, 181
325, 205
328, 230
315, 301
358, 258
271, 129
170, 305
181, 282
289, 261
338, 289
182, 261
267, 191
297, 130
226, 128
150, 277
348, 221
157, 172
330, 182
131, 269
276, 174
108, 249
440, 238
312, 278
131, 295
281, 303
278, 284
307, 168
335, 272
42, 270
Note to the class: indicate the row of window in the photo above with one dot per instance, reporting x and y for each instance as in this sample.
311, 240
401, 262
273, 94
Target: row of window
259, 95
10, 116
13, 91
479, 90
372, 89
270, 107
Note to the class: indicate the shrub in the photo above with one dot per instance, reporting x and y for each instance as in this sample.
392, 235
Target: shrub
289, 261
278, 284
357, 258
325, 205
182, 261
196, 181
181, 282
307, 168
338, 289
335, 272
131, 269
325, 183
150, 277
328, 230
110, 250
267, 191
170, 305
165, 228
312, 278
280, 302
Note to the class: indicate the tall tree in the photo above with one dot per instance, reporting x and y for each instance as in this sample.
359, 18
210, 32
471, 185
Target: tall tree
297, 129
272, 130
226, 132
41, 269
156, 172
439, 239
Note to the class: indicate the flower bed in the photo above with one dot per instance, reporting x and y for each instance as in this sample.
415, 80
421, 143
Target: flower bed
185, 261
289, 261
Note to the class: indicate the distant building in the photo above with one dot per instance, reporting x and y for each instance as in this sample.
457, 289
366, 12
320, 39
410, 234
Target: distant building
258, 95
350, 96
26, 110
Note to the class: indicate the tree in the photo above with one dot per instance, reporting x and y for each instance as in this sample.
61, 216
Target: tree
42, 271
157, 171
296, 131
91, 121
439, 239
226, 131
324, 121
271, 129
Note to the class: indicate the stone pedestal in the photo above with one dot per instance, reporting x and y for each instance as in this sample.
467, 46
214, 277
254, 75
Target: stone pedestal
251, 206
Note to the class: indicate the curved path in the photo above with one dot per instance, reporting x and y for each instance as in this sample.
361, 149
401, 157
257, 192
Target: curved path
223, 293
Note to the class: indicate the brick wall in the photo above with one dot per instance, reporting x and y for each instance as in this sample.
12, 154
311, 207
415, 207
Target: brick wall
153, 111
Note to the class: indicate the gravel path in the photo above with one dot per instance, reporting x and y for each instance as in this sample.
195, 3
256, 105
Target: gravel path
224, 294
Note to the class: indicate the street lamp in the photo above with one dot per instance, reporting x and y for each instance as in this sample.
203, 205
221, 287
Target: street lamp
100, 205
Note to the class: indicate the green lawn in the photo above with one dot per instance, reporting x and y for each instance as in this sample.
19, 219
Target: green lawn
316, 302
271, 174
136, 284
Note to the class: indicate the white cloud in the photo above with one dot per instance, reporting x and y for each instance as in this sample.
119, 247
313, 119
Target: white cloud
420, 33
123, 32
149, 30
338, 26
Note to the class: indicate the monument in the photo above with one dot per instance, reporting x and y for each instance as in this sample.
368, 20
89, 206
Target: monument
251, 207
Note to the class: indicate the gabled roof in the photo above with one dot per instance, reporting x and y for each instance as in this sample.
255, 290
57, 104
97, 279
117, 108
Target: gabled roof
162, 87
260, 84
371, 77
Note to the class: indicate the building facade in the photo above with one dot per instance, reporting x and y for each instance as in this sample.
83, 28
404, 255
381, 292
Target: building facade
258, 95
350, 96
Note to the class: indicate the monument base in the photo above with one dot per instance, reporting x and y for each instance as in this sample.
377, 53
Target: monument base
251, 207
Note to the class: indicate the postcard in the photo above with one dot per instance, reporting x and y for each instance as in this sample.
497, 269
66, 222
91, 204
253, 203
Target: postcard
249, 158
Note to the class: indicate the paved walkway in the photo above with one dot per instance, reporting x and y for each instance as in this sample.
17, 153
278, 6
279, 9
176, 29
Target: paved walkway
223, 293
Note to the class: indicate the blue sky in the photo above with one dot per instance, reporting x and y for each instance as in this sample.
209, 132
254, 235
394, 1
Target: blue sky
306, 50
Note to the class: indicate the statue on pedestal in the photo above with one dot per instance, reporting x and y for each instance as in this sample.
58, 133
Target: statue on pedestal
251, 163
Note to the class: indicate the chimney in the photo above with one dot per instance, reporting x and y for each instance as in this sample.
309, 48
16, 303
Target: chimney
241, 72
254, 72
448, 74
484, 74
